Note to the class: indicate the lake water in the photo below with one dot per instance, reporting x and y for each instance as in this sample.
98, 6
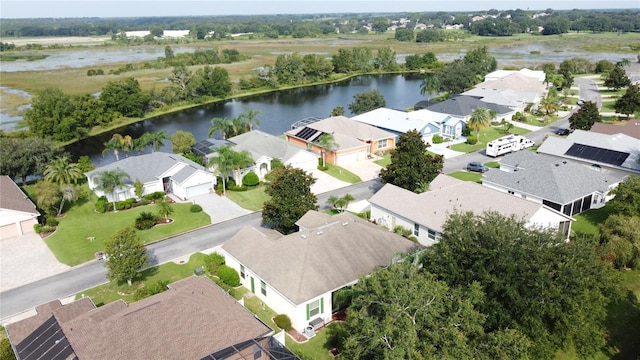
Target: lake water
278, 111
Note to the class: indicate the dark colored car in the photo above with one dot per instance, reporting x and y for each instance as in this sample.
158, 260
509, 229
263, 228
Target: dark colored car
563, 131
477, 167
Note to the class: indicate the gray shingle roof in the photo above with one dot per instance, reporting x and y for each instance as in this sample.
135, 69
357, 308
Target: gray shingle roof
447, 195
12, 198
314, 261
560, 181
463, 105
149, 167
259, 143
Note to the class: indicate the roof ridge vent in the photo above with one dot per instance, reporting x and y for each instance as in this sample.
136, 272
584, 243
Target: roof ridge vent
319, 232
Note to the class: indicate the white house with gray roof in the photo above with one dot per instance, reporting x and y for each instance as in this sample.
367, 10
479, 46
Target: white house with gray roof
617, 154
563, 185
399, 122
426, 213
158, 171
297, 274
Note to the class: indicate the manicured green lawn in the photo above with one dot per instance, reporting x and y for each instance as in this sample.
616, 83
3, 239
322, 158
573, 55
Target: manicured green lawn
492, 164
587, 222
486, 135
71, 245
467, 176
313, 349
386, 160
608, 106
342, 174
252, 199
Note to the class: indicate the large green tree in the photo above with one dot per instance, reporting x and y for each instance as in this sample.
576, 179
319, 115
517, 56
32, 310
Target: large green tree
620, 235
126, 255
403, 312
20, 158
555, 292
125, 97
366, 101
585, 117
626, 197
629, 102
617, 78
386, 59
222, 125
62, 171
182, 141
212, 82
411, 165
291, 198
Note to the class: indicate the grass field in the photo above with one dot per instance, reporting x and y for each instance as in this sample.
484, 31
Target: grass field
252, 199
71, 245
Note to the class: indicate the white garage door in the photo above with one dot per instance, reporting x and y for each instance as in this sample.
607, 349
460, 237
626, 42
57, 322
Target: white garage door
198, 190
8, 231
350, 158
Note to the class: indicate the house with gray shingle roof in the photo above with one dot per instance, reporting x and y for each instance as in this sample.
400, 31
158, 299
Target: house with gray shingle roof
297, 274
462, 106
192, 319
563, 185
426, 213
355, 141
18, 214
399, 122
158, 171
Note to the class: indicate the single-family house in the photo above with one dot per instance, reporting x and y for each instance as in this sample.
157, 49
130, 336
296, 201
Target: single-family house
157, 171
355, 141
426, 213
18, 214
617, 154
263, 148
504, 97
529, 88
192, 319
461, 106
450, 126
563, 185
399, 122
539, 75
298, 274
629, 128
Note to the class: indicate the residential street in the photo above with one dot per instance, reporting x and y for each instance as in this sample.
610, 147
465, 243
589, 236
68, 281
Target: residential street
77, 279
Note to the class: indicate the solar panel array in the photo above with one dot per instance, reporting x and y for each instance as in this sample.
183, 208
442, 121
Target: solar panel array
601, 155
306, 133
46, 342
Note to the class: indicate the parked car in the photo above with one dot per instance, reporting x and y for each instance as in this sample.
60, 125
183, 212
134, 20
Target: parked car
477, 167
563, 131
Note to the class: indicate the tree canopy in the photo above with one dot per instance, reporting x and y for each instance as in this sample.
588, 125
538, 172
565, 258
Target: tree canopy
291, 198
629, 102
411, 164
21, 158
126, 255
554, 292
617, 78
367, 101
585, 117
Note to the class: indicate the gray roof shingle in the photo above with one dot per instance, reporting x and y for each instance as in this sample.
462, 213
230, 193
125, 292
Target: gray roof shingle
260, 143
463, 105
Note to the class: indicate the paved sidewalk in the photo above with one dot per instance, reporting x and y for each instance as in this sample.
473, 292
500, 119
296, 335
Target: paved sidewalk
25, 259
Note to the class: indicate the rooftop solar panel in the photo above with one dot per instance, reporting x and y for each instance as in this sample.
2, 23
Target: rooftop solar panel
48, 341
306, 133
601, 155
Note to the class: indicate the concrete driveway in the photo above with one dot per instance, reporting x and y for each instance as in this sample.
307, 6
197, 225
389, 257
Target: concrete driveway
25, 259
219, 208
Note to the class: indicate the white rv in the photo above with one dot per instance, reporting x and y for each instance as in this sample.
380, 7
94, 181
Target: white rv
508, 144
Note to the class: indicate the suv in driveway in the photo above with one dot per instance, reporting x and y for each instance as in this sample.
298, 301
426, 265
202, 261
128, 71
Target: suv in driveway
477, 167
562, 131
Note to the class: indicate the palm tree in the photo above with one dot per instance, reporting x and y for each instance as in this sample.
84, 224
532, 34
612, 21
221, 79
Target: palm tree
114, 144
109, 181
480, 119
220, 124
164, 208
346, 199
238, 126
61, 171
549, 105
333, 201
250, 117
127, 144
156, 139
69, 193
430, 85
326, 142
227, 160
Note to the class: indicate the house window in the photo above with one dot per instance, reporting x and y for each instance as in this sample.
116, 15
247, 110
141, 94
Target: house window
416, 229
242, 271
431, 234
314, 308
263, 288
382, 143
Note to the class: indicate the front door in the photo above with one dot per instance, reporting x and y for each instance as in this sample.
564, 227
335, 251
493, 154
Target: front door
253, 287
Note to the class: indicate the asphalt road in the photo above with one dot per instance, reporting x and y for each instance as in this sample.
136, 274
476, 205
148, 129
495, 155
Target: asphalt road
86, 276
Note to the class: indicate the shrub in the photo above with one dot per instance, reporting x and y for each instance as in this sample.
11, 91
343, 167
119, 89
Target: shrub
145, 221
6, 351
437, 139
150, 289
466, 131
251, 179
121, 205
195, 208
43, 229
237, 188
283, 322
228, 275
471, 140
212, 262
158, 195
102, 204
276, 164
323, 168
52, 222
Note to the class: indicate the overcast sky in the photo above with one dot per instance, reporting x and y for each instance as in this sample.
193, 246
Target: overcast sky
139, 8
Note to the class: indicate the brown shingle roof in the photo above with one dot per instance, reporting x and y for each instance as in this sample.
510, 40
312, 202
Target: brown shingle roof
630, 128
192, 319
12, 198
313, 261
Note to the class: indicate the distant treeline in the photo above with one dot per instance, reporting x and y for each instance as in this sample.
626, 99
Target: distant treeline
489, 23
